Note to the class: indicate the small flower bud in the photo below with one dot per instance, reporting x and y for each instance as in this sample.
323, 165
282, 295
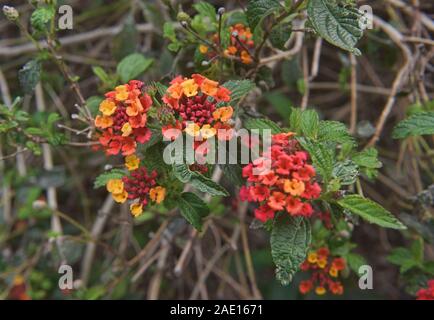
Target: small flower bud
205, 63
184, 24
74, 116
183, 17
108, 167
221, 11
235, 34
11, 13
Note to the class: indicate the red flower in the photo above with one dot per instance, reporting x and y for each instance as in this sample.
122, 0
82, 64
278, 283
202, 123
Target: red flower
305, 286
264, 213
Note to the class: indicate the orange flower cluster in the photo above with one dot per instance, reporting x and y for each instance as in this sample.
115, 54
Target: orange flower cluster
241, 42
123, 118
324, 270
200, 106
18, 290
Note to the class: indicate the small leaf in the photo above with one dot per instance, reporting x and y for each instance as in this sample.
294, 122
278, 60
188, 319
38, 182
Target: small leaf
419, 124
259, 9
207, 10
103, 178
367, 158
336, 24
262, 124
40, 18
309, 123
355, 261
29, 76
238, 88
279, 35
290, 240
132, 66
346, 172
334, 131
370, 211
193, 209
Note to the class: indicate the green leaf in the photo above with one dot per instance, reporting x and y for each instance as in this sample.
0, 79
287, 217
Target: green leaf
103, 178
234, 173
207, 10
367, 158
29, 76
309, 123
403, 258
40, 18
322, 156
169, 33
193, 209
197, 180
419, 124
259, 9
334, 131
262, 124
336, 24
290, 240
280, 102
355, 261
370, 211
238, 88
346, 172
132, 66
279, 35
102, 75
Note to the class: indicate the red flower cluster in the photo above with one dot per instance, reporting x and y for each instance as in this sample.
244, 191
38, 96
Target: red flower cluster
123, 118
428, 293
324, 268
285, 180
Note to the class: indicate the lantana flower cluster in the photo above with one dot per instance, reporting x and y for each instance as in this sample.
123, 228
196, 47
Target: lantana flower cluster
139, 187
123, 118
426, 293
281, 180
241, 43
325, 271
200, 107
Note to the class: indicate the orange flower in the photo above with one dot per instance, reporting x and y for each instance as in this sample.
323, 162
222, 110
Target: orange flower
128, 146
223, 114
339, 264
293, 187
121, 92
138, 121
136, 209
209, 87
132, 162
277, 201
115, 186
107, 107
305, 286
223, 94
192, 129
120, 197
203, 49
312, 257
333, 272
320, 290
231, 50
246, 58
157, 194
207, 131
103, 122
126, 129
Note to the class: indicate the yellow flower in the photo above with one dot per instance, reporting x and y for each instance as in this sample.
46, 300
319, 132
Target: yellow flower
107, 107
157, 194
103, 122
132, 162
320, 291
115, 186
126, 129
333, 272
192, 129
322, 263
121, 93
207, 131
136, 209
203, 49
120, 197
312, 257
189, 87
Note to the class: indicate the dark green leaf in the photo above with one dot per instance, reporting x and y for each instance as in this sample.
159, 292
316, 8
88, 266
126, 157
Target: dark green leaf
193, 209
132, 66
417, 125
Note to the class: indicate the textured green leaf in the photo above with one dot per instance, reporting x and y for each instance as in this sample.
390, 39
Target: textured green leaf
262, 124
309, 123
40, 18
334, 131
290, 240
279, 35
29, 76
234, 173
370, 211
322, 156
132, 66
103, 178
346, 172
355, 261
336, 24
258, 9
367, 158
193, 209
417, 125
238, 88
206, 9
